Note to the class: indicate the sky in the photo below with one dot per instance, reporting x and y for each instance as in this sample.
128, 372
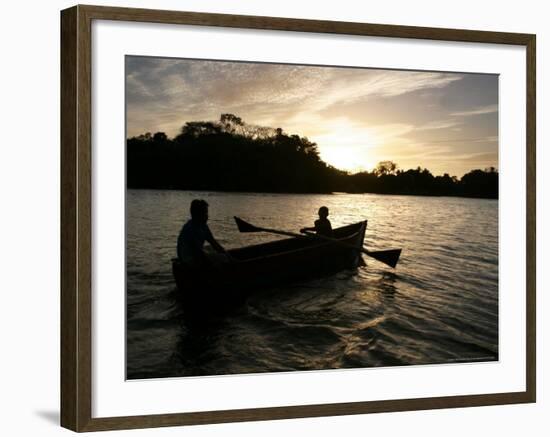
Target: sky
446, 122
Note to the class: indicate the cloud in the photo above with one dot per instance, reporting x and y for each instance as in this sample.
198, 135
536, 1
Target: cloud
477, 111
438, 124
180, 90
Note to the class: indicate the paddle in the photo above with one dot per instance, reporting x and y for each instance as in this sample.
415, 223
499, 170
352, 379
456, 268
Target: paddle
389, 257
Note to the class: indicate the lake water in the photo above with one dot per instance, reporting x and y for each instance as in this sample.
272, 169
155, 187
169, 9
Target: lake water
440, 305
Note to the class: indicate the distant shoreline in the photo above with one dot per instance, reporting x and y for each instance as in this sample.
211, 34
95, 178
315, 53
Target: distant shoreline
308, 193
231, 156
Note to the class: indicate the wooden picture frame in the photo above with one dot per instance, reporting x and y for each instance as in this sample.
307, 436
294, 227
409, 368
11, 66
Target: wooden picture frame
76, 218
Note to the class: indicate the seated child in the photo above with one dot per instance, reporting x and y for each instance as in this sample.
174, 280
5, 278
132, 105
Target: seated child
322, 224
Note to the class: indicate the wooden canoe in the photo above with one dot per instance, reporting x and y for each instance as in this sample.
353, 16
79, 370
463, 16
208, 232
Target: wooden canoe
274, 263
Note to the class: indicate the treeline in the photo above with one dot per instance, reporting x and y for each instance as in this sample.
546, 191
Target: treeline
228, 155
388, 179
231, 155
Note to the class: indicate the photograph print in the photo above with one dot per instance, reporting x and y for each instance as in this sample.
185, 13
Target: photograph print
284, 218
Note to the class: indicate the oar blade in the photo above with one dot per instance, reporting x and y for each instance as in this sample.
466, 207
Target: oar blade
245, 226
389, 257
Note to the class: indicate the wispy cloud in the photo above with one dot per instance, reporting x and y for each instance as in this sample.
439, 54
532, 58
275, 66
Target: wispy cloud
477, 111
268, 91
438, 124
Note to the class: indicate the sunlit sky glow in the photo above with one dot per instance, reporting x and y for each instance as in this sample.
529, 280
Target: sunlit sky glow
446, 122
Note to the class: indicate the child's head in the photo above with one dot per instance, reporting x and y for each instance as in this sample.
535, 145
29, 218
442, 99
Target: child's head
323, 212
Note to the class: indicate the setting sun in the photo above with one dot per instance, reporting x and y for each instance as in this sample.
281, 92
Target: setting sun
346, 145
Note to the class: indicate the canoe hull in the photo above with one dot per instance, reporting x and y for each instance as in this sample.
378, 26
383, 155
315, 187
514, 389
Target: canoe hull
271, 264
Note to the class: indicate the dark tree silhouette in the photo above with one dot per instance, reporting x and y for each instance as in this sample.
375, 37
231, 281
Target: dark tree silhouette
480, 183
385, 168
231, 155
